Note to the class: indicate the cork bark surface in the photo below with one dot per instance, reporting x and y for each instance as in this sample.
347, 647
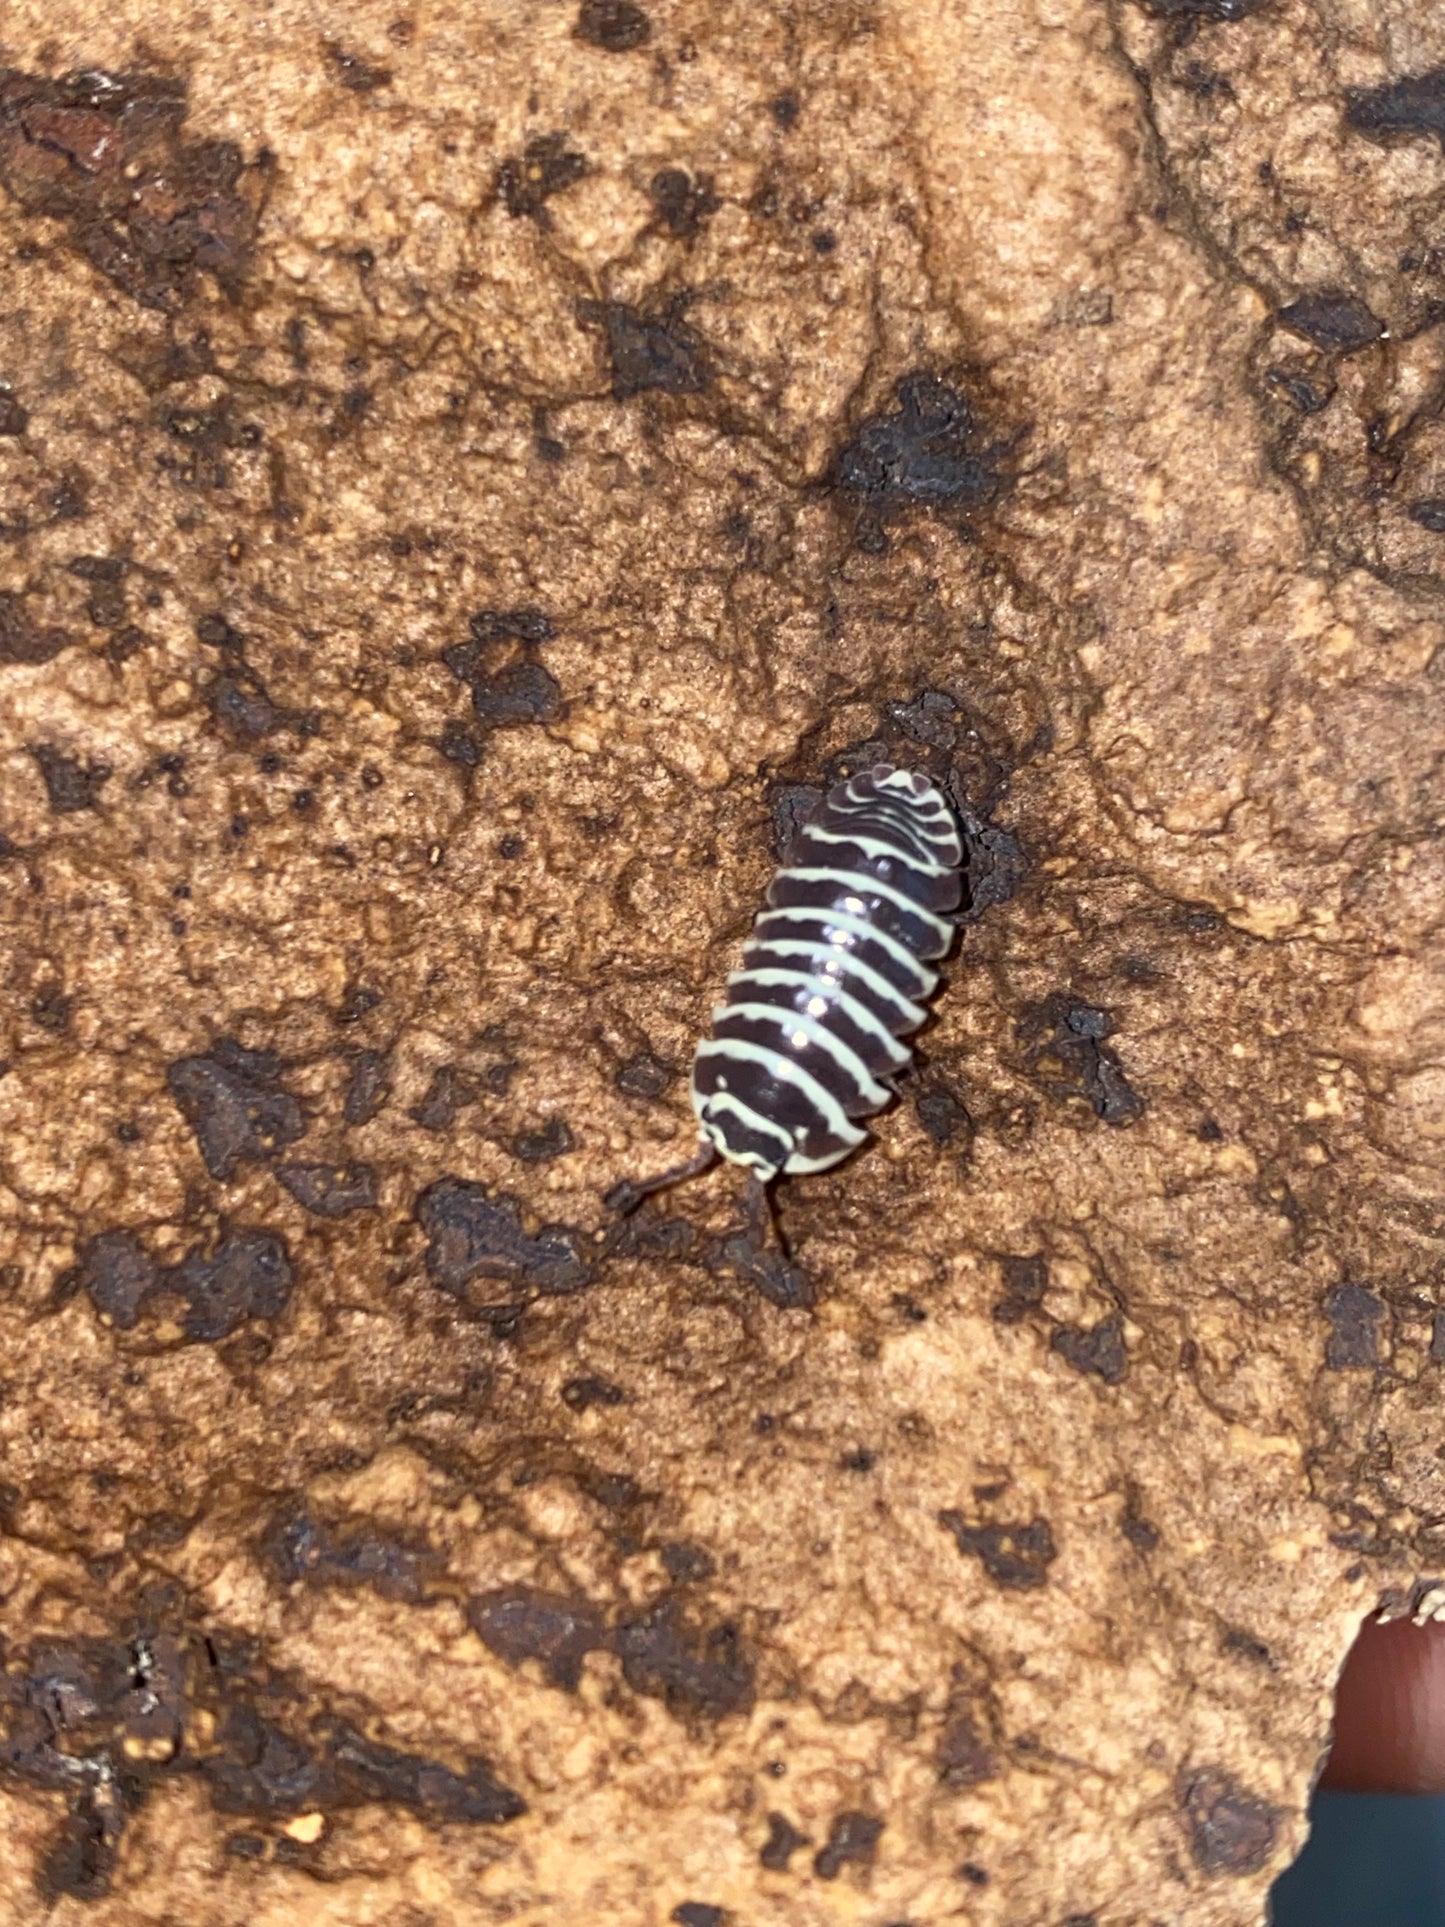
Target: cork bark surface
468, 474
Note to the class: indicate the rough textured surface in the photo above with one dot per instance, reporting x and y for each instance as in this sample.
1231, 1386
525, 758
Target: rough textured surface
468, 474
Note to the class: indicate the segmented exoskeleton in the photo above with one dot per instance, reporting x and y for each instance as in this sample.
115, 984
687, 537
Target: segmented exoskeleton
834, 976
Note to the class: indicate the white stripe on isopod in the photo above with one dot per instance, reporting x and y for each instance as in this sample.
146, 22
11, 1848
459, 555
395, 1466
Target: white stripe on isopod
784, 1070
875, 846
861, 887
729, 1103
828, 996
910, 1015
801, 1031
843, 924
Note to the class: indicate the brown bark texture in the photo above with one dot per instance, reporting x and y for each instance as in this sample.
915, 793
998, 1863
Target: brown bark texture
469, 474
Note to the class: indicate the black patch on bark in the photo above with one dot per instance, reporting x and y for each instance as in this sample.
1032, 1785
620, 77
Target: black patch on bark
690, 1671
299, 1547
646, 351
643, 1075
925, 454
1355, 1316
994, 865
367, 1771
546, 166
14, 416
581, 1394
104, 155
330, 1190
932, 717
1142, 1534
1414, 105
1306, 396
520, 1623
780, 1281
1247, 1646
217, 632
1192, 11
259, 1768
1067, 1052
239, 702
683, 201
942, 1115
1015, 1556
1429, 512
791, 805
233, 1101
697, 1913
460, 745
82, 1861
24, 642
685, 1563
106, 576
356, 75
1025, 1280
69, 1708
962, 1757
523, 692
1437, 1339
1098, 1349
119, 1275
70, 785
645, 1235
1231, 1831
553, 1140
853, 1837
616, 26
477, 1233
357, 1001
782, 1843
445, 1095
248, 1276
515, 691
366, 1087
102, 1720
50, 1008
1333, 320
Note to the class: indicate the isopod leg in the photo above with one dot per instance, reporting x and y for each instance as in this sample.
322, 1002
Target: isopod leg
625, 1197
762, 1217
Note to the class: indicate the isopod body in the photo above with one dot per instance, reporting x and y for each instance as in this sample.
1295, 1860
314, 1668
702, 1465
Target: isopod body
835, 975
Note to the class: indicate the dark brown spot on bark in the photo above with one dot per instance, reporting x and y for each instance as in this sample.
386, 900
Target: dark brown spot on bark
1099, 1350
852, 1839
962, 1757
330, 1190
1016, 1556
1355, 1316
233, 1101
477, 1233
1025, 1280
782, 1843
1231, 1831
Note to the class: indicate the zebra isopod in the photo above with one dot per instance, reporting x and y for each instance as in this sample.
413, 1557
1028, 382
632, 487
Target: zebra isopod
836, 973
